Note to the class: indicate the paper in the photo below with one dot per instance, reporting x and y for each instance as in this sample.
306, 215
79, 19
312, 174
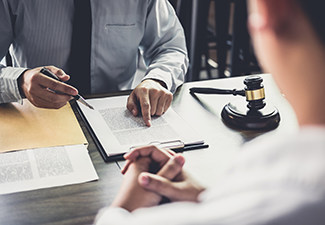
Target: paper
45, 167
26, 126
118, 130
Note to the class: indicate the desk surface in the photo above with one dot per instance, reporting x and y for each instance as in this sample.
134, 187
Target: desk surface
79, 204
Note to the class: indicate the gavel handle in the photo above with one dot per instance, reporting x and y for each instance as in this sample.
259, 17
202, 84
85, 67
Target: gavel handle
217, 91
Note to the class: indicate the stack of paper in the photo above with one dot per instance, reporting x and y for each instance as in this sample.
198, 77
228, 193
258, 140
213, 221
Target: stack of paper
52, 148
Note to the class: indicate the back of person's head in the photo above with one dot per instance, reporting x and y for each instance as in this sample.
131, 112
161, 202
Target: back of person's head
315, 13
289, 41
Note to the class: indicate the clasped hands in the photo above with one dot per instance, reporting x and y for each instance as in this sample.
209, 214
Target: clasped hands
141, 188
149, 98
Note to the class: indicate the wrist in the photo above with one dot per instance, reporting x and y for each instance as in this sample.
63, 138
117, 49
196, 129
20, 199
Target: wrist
20, 82
162, 83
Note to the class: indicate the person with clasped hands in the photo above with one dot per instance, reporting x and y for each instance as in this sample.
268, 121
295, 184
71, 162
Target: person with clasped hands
274, 182
39, 33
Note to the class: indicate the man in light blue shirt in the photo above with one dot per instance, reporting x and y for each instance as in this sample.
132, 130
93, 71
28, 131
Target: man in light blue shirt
39, 33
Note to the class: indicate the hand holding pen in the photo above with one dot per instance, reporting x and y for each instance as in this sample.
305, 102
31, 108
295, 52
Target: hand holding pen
36, 87
78, 97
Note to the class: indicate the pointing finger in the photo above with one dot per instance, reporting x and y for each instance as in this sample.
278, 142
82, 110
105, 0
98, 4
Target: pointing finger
145, 109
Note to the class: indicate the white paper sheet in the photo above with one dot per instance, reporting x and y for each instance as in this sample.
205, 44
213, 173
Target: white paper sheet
118, 130
45, 167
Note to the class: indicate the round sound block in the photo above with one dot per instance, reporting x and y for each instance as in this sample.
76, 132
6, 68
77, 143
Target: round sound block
237, 114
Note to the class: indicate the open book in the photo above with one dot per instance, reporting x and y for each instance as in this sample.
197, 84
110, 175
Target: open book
115, 130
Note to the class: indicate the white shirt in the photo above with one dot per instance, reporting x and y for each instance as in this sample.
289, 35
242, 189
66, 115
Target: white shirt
273, 182
40, 34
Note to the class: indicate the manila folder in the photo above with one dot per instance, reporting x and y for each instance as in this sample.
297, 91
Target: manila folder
26, 126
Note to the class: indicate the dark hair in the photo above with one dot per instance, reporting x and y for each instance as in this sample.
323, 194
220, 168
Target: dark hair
315, 13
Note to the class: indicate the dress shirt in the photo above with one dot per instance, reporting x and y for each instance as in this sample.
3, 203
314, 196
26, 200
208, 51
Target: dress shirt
270, 182
39, 33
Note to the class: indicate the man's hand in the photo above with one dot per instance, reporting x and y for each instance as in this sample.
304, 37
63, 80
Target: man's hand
181, 188
151, 97
131, 195
35, 86
170, 181
158, 155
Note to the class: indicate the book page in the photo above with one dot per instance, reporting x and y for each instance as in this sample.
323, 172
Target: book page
45, 167
118, 130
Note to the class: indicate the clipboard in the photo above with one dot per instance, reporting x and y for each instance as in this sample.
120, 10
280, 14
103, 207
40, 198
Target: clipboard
176, 145
99, 146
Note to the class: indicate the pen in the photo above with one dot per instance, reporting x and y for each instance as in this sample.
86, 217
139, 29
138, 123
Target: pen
216, 91
77, 97
176, 145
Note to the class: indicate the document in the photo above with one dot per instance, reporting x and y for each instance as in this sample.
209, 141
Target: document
26, 126
44, 168
118, 130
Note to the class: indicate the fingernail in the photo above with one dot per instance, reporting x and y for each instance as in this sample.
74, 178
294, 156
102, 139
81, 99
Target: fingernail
149, 123
134, 112
179, 159
74, 92
122, 171
145, 180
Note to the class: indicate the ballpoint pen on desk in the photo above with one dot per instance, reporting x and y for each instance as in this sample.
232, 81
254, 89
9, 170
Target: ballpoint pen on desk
176, 145
77, 97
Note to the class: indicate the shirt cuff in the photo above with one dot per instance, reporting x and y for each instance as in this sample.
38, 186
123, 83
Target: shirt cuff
9, 85
164, 76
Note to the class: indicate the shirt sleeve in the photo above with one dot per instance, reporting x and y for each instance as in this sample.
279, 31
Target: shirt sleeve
260, 203
277, 182
164, 46
172, 214
9, 91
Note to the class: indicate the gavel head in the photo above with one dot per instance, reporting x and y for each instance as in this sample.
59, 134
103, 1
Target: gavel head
256, 115
254, 91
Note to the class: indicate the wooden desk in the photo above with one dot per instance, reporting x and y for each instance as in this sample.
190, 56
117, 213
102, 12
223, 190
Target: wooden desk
79, 204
